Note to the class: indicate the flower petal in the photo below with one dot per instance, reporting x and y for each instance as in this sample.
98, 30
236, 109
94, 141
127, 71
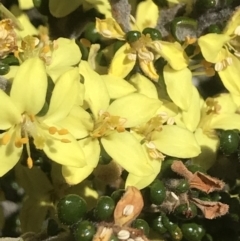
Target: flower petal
121, 65
146, 14
191, 117
66, 55
148, 69
91, 150
144, 85
209, 147
225, 121
176, 141
211, 45
233, 23
96, 93
62, 8
63, 97
79, 122
230, 76
9, 153
125, 149
136, 108
173, 53
30, 86
68, 153
10, 115
117, 87
173, 79
140, 182
109, 28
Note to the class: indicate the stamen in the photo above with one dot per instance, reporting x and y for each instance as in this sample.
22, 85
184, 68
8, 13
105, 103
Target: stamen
52, 130
24, 140
123, 234
5, 139
106, 33
128, 210
18, 143
63, 132
29, 162
219, 66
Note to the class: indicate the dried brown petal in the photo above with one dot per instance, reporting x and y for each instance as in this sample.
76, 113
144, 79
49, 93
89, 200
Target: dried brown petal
103, 233
8, 37
180, 168
211, 209
205, 182
132, 197
198, 180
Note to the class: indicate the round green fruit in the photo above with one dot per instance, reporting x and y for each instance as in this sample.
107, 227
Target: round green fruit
142, 225
117, 195
71, 209
84, 231
182, 187
157, 192
192, 231
153, 33
185, 211
133, 36
4, 68
229, 141
157, 225
104, 208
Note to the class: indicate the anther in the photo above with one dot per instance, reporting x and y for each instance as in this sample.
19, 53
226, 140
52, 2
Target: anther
62, 132
128, 210
52, 130
5, 139
123, 234
29, 162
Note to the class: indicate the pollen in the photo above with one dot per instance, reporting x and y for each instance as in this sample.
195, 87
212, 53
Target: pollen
5, 139
52, 130
29, 162
62, 132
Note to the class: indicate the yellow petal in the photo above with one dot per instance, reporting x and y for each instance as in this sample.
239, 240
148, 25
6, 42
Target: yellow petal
12, 73
146, 14
121, 65
62, 8
136, 108
117, 87
148, 69
91, 150
109, 28
139, 182
10, 115
225, 121
96, 94
169, 108
174, 79
79, 122
173, 53
226, 102
63, 97
176, 141
209, 147
68, 153
230, 76
9, 154
144, 85
66, 55
30, 86
211, 46
125, 149
233, 23
25, 4
191, 117
102, 6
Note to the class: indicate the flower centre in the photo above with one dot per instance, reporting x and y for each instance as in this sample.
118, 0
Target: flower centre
212, 106
106, 124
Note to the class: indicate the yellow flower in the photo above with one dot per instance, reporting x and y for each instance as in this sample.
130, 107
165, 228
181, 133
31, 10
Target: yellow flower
223, 50
202, 118
144, 50
20, 122
108, 126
